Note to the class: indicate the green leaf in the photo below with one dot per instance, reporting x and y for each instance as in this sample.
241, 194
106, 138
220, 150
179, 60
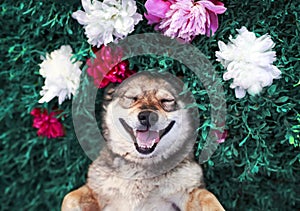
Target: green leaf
235, 152
243, 141
291, 139
255, 169
282, 99
266, 112
272, 89
204, 133
211, 163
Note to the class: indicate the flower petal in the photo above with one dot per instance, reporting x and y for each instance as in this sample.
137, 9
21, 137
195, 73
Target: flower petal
157, 8
81, 17
239, 92
217, 8
214, 24
152, 18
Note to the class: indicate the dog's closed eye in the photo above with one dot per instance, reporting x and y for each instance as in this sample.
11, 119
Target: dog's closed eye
167, 101
168, 104
132, 98
128, 100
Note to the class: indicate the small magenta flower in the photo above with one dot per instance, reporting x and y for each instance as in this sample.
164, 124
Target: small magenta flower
221, 136
47, 124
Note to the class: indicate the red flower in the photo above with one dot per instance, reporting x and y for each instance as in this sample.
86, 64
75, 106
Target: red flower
47, 124
108, 67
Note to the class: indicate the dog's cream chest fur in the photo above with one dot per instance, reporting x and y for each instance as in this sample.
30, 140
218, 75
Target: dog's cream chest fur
122, 191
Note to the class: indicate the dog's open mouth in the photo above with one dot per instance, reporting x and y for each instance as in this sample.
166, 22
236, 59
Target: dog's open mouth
145, 141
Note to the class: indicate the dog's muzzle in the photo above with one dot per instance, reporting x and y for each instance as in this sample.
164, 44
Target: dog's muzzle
145, 139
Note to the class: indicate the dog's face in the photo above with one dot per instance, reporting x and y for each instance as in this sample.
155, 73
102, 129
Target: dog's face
147, 118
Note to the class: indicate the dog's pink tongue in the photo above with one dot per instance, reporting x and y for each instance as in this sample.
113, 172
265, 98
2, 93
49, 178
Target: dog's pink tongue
147, 138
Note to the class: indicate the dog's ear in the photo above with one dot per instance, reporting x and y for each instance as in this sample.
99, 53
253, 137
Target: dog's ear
109, 91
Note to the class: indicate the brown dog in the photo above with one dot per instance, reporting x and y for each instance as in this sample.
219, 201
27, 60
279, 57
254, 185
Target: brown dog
147, 164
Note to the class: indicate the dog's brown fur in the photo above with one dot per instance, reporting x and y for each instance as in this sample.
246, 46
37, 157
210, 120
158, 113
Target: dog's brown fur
122, 180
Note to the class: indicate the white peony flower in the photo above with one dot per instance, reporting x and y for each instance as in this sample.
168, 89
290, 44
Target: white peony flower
62, 76
248, 61
107, 21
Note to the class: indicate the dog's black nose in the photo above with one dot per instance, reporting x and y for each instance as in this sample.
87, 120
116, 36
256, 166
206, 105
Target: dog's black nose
147, 118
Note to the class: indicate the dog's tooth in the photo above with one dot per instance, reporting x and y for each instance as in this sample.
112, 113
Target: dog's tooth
153, 141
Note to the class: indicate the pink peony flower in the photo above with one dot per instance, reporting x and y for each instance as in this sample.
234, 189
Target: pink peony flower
185, 19
108, 67
47, 124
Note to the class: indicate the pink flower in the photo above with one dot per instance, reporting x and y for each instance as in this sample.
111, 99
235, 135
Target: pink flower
221, 135
185, 19
47, 124
108, 67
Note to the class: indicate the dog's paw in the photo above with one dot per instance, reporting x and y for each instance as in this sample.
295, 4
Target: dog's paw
81, 199
203, 200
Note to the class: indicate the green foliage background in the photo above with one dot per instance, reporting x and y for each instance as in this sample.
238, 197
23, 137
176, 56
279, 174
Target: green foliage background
257, 168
